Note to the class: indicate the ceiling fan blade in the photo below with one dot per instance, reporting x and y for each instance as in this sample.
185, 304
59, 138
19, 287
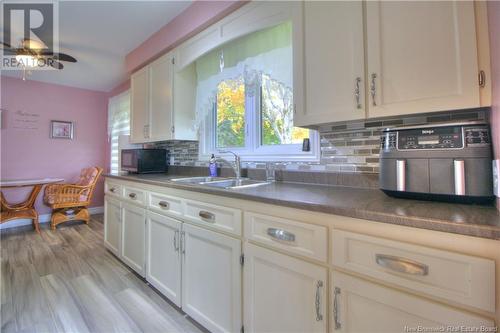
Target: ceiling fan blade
58, 56
56, 64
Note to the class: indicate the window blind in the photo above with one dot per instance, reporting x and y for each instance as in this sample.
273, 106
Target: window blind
118, 124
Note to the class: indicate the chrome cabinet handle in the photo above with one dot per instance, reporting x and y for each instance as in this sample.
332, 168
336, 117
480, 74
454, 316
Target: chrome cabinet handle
183, 242
176, 244
357, 93
401, 175
482, 79
132, 196
373, 89
401, 265
210, 217
112, 189
163, 204
281, 234
336, 311
317, 303
459, 176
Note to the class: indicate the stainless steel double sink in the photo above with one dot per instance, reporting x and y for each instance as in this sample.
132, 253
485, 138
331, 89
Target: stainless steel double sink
221, 182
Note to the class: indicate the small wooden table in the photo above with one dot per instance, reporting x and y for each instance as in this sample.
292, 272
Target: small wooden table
25, 209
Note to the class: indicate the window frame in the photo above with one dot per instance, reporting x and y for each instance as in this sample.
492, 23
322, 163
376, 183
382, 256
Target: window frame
254, 150
114, 148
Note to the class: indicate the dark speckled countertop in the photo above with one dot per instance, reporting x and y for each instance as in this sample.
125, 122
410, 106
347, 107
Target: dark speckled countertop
368, 204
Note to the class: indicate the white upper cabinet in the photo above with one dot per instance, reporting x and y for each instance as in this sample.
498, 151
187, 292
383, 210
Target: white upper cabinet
155, 116
422, 56
139, 105
161, 90
333, 62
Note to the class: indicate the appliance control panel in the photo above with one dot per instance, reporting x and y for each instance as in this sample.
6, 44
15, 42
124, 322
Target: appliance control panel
430, 138
477, 137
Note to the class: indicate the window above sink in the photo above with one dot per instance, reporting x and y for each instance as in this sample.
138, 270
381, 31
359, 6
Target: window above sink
245, 102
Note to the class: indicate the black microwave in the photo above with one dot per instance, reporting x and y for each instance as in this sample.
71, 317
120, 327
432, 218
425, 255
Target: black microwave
144, 160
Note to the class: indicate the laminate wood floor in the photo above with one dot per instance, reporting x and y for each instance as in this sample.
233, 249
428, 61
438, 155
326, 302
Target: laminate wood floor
66, 281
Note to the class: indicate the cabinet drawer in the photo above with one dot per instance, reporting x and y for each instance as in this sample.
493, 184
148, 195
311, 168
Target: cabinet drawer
134, 195
165, 204
296, 237
218, 217
447, 275
113, 189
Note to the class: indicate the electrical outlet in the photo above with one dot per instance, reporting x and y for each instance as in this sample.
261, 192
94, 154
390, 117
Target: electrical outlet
496, 170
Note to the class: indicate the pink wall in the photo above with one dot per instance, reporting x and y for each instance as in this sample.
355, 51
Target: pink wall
119, 89
30, 153
195, 18
494, 31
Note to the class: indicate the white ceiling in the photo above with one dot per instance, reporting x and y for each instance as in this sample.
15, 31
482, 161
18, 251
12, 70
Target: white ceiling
99, 34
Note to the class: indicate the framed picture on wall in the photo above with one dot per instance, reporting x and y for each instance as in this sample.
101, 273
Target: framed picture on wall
61, 129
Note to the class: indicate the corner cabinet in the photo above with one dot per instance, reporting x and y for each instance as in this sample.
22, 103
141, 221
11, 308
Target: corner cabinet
154, 112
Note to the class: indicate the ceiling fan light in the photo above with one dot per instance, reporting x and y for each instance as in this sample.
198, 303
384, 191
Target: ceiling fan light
26, 60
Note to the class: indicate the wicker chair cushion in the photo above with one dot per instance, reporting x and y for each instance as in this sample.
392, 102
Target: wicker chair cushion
87, 176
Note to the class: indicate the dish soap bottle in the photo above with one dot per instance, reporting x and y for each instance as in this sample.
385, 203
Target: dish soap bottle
212, 166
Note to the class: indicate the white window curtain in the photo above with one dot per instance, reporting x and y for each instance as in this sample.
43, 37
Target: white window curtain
118, 124
260, 59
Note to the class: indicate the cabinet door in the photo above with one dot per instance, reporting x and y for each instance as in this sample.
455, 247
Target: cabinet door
163, 268
112, 225
161, 91
139, 106
361, 306
283, 294
211, 279
334, 62
133, 237
422, 57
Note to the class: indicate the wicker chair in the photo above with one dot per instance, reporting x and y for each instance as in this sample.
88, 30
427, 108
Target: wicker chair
70, 201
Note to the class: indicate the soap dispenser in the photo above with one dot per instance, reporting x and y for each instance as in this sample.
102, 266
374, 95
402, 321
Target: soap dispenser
212, 166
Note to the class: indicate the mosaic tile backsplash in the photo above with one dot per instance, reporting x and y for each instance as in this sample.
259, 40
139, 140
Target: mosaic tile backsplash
345, 147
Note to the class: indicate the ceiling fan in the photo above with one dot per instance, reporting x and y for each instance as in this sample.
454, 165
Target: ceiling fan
33, 54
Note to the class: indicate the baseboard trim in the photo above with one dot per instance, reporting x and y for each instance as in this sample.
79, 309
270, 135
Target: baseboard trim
43, 218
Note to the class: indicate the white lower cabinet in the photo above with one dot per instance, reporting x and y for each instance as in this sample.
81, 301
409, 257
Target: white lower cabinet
163, 267
283, 294
362, 306
112, 225
211, 279
134, 237
290, 284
